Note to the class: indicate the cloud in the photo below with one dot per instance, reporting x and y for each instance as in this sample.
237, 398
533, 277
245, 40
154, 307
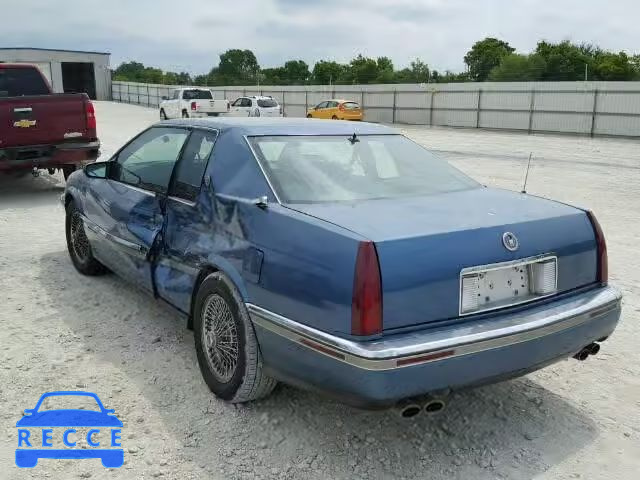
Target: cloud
190, 35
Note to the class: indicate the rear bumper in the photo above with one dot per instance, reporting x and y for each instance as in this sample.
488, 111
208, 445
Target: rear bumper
381, 372
48, 156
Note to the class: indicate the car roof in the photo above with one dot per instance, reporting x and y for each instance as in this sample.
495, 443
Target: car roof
283, 126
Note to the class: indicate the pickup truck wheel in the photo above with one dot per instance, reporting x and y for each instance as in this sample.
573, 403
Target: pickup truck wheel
163, 116
185, 114
79, 246
67, 170
226, 346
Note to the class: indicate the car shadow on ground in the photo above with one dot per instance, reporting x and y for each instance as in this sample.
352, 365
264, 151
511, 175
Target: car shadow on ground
27, 191
513, 429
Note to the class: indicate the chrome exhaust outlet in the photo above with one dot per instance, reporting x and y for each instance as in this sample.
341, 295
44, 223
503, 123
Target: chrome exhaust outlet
582, 355
408, 409
594, 348
591, 349
434, 406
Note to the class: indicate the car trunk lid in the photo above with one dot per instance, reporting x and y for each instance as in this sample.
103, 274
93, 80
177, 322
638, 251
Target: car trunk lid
424, 243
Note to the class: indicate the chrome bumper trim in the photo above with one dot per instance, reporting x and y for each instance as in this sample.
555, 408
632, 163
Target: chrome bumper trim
425, 346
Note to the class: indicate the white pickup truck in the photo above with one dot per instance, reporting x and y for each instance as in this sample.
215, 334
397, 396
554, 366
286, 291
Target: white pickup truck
192, 102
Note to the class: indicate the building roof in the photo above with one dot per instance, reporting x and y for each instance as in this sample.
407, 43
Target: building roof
284, 126
54, 50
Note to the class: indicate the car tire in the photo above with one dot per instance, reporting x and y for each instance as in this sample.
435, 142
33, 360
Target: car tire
163, 115
185, 114
234, 373
334, 118
309, 115
78, 244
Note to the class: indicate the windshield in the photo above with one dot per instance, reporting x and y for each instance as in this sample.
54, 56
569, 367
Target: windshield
312, 169
197, 95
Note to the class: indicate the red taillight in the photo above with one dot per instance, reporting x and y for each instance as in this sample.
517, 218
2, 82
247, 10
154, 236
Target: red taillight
194, 106
603, 261
90, 115
366, 306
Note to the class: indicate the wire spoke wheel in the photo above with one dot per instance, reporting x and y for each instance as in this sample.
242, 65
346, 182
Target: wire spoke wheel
220, 338
79, 240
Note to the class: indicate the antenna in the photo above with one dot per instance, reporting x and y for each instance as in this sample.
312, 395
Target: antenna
526, 175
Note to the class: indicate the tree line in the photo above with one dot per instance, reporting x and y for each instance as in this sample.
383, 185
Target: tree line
489, 59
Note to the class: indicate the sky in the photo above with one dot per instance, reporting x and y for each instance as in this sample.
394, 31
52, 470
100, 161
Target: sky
189, 35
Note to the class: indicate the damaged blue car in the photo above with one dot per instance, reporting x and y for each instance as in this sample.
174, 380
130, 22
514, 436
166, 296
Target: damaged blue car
342, 258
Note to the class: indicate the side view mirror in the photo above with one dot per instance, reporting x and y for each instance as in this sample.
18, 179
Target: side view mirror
96, 170
165, 98
28, 411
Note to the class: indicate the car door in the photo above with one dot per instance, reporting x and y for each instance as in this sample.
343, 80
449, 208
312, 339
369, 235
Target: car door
236, 109
331, 110
124, 212
188, 226
175, 104
319, 110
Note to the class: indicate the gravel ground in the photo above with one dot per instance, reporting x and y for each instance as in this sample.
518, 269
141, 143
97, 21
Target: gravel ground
61, 331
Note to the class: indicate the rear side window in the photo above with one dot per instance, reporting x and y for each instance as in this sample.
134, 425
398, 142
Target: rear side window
267, 103
18, 82
191, 167
197, 95
351, 105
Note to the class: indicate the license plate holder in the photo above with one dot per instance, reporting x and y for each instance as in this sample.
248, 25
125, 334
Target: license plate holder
490, 287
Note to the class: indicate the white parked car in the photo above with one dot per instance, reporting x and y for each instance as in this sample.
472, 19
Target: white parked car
192, 102
256, 106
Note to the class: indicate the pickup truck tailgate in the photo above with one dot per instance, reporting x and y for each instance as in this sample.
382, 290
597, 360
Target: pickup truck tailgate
43, 119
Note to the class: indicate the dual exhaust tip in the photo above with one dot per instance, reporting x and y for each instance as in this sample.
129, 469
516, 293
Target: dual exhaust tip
591, 349
411, 408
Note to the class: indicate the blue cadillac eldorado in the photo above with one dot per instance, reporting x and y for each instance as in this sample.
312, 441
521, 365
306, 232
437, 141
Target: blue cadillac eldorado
340, 257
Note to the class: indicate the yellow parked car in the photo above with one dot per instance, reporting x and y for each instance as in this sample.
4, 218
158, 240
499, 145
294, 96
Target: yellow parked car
336, 110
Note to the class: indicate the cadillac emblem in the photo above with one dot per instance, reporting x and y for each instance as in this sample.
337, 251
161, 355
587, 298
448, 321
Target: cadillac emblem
510, 241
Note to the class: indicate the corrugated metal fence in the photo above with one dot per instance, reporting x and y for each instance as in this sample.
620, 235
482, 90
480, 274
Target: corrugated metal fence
589, 108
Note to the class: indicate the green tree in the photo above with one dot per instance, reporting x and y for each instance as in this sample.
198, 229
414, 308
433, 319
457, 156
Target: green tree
385, 70
237, 67
565, 61
519, 68
274, 76
363, 70
326, 72
615, 67
296, 72
484, 56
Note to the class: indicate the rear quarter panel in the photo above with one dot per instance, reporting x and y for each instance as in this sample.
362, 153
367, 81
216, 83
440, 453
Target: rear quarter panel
306, 265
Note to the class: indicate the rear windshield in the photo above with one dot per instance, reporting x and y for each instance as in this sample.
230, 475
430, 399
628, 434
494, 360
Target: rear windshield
18, 82
314, 169
351, 105
267, 103
197, 95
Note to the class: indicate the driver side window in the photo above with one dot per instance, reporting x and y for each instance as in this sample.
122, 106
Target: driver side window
148, 161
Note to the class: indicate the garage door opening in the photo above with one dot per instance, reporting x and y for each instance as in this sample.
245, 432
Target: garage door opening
79, 77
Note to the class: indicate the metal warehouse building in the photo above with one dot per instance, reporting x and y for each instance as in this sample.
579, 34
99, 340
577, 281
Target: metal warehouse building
68, 71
